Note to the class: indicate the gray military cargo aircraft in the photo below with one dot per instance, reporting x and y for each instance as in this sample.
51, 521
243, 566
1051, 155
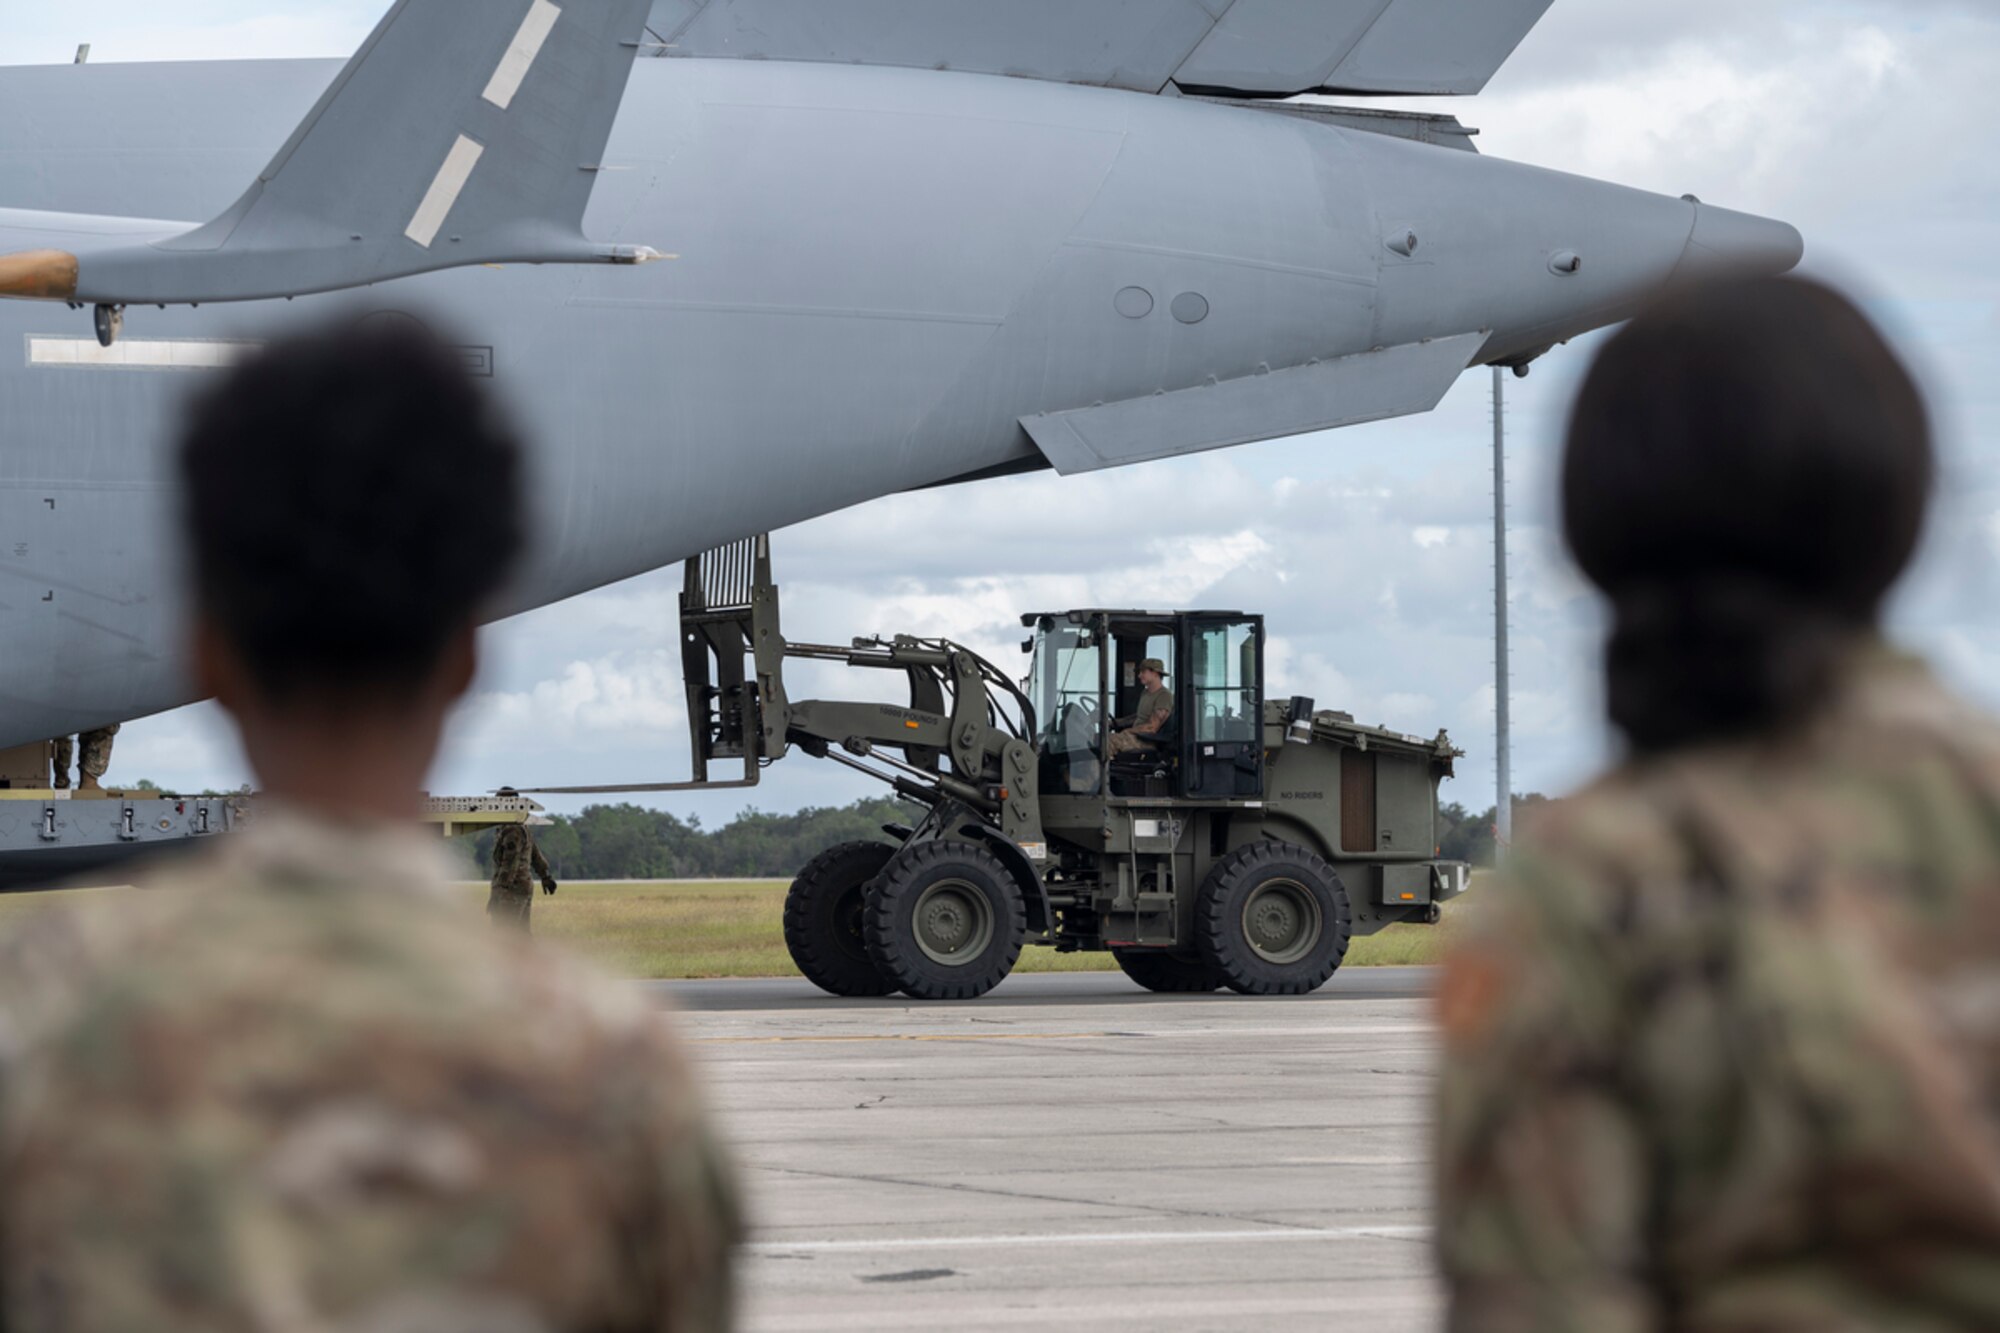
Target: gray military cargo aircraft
916, 242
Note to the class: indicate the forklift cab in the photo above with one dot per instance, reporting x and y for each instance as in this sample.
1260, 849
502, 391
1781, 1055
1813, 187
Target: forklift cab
1086, 676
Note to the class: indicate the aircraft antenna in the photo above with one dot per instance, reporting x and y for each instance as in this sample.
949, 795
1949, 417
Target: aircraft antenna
1503, 832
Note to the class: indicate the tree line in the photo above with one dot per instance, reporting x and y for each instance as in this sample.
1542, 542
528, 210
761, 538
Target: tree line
628, 841
1466, 835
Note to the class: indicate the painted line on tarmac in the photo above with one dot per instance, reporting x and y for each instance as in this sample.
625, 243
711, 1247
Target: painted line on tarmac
1343, 1306
909, 1036
1393, 1232
1382, 1030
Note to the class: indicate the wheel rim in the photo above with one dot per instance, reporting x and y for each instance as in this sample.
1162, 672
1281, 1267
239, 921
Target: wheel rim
847, 924
1282, 921
953, 922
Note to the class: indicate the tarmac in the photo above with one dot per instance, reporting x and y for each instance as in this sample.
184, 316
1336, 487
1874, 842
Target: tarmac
1073, 1152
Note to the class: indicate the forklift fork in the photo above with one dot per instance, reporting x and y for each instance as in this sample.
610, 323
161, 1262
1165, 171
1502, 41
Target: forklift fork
732, 660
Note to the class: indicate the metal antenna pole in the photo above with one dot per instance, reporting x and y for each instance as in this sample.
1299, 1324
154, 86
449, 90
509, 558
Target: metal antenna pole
1502, 733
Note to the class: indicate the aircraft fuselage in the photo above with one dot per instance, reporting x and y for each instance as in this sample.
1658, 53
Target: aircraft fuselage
880, 272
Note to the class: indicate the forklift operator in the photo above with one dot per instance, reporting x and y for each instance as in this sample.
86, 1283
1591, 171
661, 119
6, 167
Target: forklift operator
1156, 705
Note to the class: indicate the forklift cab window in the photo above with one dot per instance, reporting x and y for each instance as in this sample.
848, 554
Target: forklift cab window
1224, 684
1067, 687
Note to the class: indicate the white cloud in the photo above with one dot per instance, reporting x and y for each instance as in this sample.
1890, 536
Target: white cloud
189, 750
629, 696
120, 30
1409, 712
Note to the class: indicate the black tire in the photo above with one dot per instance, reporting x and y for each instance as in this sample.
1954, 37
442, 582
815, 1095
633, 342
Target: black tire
1169, 973
945, 921
823, 913
1273, 919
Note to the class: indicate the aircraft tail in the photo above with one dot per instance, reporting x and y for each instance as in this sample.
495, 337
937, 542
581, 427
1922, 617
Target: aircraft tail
462, 132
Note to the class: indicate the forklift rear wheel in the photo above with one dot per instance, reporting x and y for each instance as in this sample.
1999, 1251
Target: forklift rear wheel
1168, 973
1273, 919
945, 921
823, 919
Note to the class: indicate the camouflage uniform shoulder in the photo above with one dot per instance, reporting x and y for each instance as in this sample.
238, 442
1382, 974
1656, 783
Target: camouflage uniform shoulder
1536, 939
1644, 870
550, 1154
1584, 871
1897, 689
1901, 720
49, 955
1893, 740
1684, 1019
1617, 824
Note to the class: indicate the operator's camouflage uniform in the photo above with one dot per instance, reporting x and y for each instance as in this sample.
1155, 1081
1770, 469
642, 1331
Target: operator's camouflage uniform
93, 754
289, 1090
517, 865
63, 759
1155, 706
1722, 1050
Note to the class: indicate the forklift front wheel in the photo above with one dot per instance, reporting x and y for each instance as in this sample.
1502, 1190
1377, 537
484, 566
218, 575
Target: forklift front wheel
945, 921
823, 919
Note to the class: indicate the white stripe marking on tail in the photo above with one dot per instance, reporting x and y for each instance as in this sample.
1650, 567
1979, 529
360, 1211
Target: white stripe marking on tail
444, 191
521, 54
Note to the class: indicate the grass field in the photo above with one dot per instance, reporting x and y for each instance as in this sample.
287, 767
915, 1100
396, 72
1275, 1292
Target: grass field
721, 928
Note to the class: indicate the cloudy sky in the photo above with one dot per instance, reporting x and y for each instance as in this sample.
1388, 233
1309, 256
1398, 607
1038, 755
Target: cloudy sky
1864, 122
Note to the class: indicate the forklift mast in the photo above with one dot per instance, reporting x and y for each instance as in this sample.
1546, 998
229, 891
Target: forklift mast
732, 659
964, 742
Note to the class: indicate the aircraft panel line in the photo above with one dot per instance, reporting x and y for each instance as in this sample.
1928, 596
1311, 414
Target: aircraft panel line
814, 312
1235, 261
1027, 119
74, 485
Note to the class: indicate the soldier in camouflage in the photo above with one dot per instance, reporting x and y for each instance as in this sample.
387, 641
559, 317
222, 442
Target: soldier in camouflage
94, 748
1156, 706
289, 1089
1722, 1048
517, 864
93, 757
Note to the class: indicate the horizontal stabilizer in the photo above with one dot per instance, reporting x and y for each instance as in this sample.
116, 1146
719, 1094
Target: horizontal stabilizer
1241, 48
1280, 47
1370, 386
462, 132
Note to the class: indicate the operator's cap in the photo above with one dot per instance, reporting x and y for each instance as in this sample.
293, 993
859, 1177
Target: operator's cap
1153, 664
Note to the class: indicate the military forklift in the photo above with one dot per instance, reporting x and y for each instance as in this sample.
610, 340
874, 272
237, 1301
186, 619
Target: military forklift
1241, 844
